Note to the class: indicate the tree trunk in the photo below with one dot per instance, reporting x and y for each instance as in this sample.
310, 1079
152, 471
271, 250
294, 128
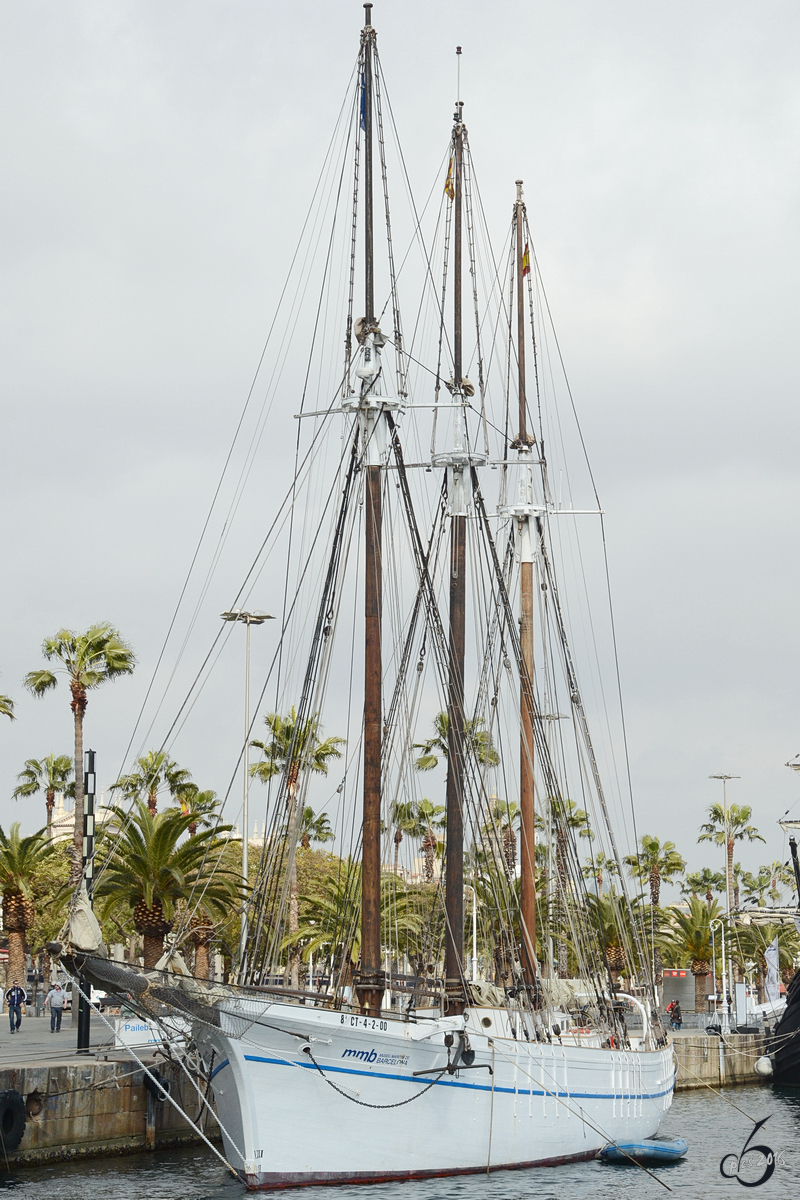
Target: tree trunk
655, 886
398, 837
429, 852
46, 965
151, 803
50, 803
510, 851
16, 957
153, 949
700, 991
78, 706
730, 849
201, 960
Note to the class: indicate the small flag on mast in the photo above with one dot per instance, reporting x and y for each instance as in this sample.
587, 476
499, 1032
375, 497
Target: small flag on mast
526, 262
448, 185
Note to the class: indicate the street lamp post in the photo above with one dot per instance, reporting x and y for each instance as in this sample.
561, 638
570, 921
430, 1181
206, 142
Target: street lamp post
728, 881
248, 619
725, 1017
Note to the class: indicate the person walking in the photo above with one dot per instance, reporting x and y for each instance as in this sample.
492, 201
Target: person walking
677, 1016
55, 998
15, 998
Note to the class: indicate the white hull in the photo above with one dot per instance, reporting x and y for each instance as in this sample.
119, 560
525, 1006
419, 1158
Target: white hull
284, 1124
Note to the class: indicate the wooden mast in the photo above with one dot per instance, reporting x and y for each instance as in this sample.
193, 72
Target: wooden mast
454, 853
370, 983
523, 446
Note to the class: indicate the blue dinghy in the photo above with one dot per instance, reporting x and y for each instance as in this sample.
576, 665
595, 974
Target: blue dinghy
659, 1150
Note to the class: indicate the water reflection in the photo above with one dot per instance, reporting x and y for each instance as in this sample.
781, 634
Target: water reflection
713, 1126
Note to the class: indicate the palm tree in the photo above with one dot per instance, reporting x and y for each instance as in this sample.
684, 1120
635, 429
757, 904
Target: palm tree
50, 774
781, 876
706, 881
757, 886
605, 915
332, 918
155, 770
431, 817
294, 748
563, 819
503, 816
151, 872
725, 827
750, 943
7, 707
19, 860
404, 821
314, 828
737, 877
88, 659
598, 867
656, 862
477, 740
689, 937
419, 819
202, 806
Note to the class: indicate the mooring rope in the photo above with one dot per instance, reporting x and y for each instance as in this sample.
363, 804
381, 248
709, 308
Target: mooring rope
364, 1103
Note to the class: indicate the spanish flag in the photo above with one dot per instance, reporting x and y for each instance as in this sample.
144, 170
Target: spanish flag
526, 262
448, 186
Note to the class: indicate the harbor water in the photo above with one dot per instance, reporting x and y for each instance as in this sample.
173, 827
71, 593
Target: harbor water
714, 1124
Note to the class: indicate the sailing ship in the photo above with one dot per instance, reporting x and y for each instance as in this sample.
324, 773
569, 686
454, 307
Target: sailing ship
782, 1061
393, 1060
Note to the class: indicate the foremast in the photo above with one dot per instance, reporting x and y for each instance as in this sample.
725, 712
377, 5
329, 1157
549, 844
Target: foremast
371, 408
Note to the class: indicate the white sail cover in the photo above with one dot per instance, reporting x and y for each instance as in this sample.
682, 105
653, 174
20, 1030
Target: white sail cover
772, 986
83, 930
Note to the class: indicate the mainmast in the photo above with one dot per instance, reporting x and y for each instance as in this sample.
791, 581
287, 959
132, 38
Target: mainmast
459, 461
454, 855
524, 513
370, 982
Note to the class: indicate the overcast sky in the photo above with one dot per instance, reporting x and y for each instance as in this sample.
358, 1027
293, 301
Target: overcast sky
157, 163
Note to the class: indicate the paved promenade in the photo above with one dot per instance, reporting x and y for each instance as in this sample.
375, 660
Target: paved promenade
34, 1043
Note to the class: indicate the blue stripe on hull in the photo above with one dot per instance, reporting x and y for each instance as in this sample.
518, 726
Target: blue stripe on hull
455, 1083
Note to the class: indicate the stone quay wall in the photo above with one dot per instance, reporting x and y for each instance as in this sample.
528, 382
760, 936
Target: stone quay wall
101, 1108
718, 1062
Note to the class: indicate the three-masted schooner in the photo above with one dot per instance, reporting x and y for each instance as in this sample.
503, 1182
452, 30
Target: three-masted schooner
388, 1068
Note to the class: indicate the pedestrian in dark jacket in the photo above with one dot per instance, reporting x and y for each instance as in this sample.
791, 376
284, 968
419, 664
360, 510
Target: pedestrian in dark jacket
15, 998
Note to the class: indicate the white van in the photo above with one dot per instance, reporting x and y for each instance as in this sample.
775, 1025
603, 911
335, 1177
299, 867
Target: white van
97, 998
